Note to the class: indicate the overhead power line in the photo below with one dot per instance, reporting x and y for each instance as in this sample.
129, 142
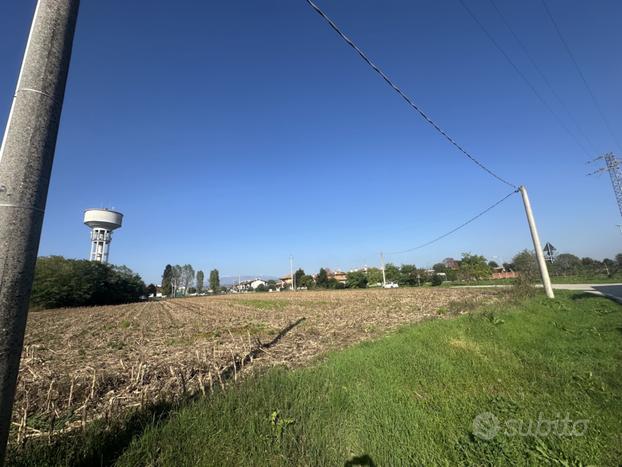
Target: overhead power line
523, 76
456, 229
543, 76
404, 96
578, 68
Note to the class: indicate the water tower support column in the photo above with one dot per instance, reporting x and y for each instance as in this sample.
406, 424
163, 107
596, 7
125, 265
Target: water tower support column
100, 244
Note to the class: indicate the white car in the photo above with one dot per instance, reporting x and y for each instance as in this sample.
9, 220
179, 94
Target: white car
390, 285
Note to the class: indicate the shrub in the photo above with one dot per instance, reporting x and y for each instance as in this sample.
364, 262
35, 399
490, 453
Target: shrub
61, 282
522, 287
437, 280
357, 280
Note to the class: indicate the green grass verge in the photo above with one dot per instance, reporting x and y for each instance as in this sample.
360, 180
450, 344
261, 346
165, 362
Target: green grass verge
616, 279
410, 399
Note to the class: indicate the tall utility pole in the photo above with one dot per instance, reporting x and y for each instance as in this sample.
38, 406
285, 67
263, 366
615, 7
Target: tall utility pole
544, 272
291, 272
26, 157
613, 167
384, 277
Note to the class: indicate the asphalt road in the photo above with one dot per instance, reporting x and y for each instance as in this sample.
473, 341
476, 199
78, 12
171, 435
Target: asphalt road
609, 290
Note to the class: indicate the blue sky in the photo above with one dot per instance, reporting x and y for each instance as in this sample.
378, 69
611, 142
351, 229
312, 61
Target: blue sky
233, 134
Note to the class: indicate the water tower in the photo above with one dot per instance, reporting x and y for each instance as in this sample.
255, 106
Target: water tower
101, 222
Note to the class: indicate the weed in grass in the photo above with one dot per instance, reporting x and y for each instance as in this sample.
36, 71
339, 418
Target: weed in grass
278, 425
522, 289
455, 307
492, 318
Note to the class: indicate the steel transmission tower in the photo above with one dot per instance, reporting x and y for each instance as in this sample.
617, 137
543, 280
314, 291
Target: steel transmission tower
612, 165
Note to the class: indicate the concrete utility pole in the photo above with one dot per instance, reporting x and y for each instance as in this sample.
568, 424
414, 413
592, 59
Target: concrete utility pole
544, 272
26, 157
384, 277
291, 272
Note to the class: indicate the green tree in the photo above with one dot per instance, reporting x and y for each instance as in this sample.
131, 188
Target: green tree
187, 277
356, 280
374, 276
473, 267
152, 289
392, 272
450, 274
306, 281
322, 279
437, 280
61, 282
200, 281
177, 279
610, 266
591, 267
409, 275
525, 262
214, 280
567, 264
167, 277
493, 264
297, 277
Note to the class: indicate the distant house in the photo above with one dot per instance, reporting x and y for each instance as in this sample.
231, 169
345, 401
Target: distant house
247, 286
339, 276
284, 282
501, 273
256, 283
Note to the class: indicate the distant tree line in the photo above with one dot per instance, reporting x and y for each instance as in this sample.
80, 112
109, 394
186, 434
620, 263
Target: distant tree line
566, 264
182, 280
61, 282
471, 267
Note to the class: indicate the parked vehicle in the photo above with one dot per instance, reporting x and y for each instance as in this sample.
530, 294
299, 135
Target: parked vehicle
390, 285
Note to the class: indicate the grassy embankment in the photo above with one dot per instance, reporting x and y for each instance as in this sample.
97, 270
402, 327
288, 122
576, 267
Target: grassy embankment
616, 279
411, 398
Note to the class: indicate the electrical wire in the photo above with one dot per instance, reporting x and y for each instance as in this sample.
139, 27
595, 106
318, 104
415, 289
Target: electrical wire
404, 96
578, 68
418, 247
543, 76
523, 77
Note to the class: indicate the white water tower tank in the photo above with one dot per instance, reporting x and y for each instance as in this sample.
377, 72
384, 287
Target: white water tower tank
102, 223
